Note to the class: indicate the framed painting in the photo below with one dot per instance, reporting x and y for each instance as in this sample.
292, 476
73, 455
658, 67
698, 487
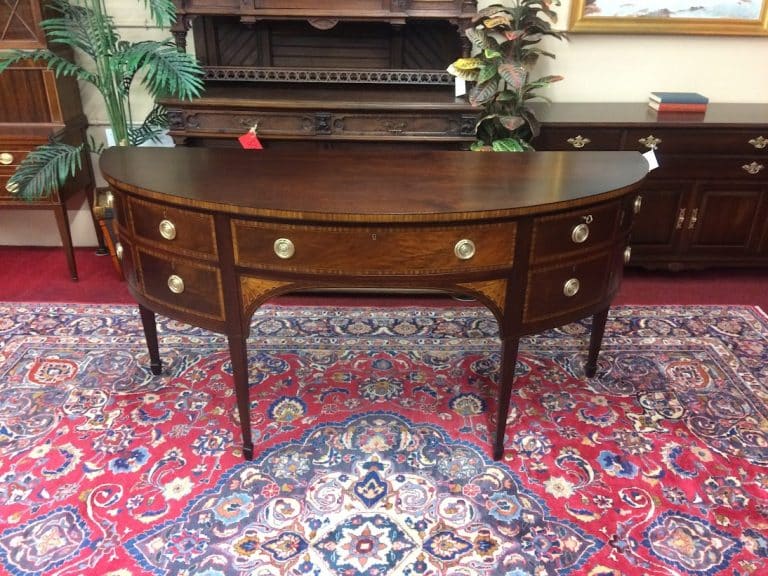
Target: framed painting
713, 17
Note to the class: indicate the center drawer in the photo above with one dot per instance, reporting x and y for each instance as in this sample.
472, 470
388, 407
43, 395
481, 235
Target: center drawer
373, 250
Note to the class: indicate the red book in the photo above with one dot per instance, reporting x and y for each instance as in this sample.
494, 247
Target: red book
677, 107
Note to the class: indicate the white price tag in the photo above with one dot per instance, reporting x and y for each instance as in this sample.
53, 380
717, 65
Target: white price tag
650, 157
461, 87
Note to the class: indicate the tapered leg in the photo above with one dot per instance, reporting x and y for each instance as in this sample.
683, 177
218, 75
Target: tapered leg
238, 352
150, 335
508, 363
66, 238
595, 341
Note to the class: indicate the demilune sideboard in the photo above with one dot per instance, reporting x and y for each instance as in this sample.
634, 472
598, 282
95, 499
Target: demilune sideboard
206, 235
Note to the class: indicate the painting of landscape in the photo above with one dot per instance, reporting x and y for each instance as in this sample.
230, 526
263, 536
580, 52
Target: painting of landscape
740, 9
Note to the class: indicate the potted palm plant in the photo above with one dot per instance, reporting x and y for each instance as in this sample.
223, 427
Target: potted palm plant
505, 42
112, 66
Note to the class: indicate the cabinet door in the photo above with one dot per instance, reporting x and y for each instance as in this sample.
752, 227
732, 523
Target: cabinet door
19, 25
726, 221
656, 231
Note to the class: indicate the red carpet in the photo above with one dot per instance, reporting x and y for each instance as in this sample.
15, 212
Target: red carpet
40, 275
372, 446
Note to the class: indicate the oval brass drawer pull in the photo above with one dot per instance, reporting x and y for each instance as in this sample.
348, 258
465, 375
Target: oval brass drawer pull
175, 284
638, 204
759, 142
627, 254
167, 229
464, 249
6, 158
650, 141
580, 233
119, 251
12, 187
284, 248
578, 141
753, 168
571, 288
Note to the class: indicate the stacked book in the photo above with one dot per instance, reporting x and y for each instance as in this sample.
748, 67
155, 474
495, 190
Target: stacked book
678, 102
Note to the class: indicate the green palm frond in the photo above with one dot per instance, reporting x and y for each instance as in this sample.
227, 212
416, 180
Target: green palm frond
153, 127
163, 12
46, 169
60, 66
68, 26
166, 70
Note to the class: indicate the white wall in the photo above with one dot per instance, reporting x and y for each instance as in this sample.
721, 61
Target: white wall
597, 67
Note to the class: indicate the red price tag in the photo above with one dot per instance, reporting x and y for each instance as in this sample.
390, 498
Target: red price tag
250, 141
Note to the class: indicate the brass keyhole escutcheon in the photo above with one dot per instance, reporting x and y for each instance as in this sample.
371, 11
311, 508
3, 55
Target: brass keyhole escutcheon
284, 248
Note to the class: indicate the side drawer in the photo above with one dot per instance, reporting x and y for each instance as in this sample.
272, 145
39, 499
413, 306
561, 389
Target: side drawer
554, 291
578, 138
236, 123
561, 235
373, 250
184, 285
182, 231
699, 140
430, 124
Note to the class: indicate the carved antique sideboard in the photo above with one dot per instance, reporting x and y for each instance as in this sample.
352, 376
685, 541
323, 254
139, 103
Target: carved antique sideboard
339, 73
206, 235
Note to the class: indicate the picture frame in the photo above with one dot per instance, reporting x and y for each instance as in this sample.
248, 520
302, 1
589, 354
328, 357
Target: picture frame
707, 17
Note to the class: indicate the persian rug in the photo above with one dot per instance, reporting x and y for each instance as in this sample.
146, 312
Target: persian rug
372, 446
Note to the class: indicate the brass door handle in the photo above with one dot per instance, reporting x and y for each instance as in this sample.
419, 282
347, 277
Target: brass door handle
694, 219
680, 219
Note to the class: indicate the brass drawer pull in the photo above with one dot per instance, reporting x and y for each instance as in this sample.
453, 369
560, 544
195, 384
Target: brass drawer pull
694, 219
753, 168
175, 284
638, 204
464, 249
571, 288
6, 158
284, 248
650, 141
119, 251
627, 254
680, 219
12, 187
167, 229
580, 233
578, 141
759, 142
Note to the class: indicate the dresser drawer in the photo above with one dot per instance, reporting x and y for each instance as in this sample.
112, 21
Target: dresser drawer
744, 168
564, 290
709, 141
5, 195
373, 250
181, 231
578, 138
237, 123
399, 125
187, 286
562, 235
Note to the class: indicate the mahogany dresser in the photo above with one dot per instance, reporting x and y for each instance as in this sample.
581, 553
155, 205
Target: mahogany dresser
707, 203
206, 235
36, 106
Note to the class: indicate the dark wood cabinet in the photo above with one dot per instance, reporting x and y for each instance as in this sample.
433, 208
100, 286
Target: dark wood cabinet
707, 203
336, 74
36, 106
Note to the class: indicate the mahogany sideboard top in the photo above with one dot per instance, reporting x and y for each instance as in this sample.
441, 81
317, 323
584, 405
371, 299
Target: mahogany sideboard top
206, 235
